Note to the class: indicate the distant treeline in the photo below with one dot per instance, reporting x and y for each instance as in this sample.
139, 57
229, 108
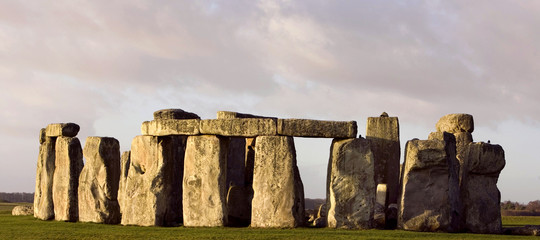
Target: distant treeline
17, 197
509, 208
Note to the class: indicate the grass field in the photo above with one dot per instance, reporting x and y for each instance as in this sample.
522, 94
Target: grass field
27, 227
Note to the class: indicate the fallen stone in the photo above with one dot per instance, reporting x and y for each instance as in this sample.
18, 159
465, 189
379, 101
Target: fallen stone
455, 123
98, 182
239, 127
232, 115
383, 134
125, 162
68, 166
166, 127
22, 211
174, 114
204, 184
62, 130
430, 199
43, 195
153, 190
481, 196
527, 230
316, 128
278, 193
351, 186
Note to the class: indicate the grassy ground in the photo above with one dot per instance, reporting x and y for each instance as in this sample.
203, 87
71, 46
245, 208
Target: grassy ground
27, 227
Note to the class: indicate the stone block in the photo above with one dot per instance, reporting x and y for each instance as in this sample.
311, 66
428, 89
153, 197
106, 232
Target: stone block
316, 128
455, 123
379, 216
351, 184
166, 127
68, 166
153, 190
22, 210
278, 193
430, 198
239, 127
204, 184
125, 162
42, 135
98, 182
62, 130
43, 195
231, 115
174, 114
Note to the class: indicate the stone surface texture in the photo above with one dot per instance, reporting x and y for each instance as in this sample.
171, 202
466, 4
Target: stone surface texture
239, 127
43, 195
174, 114
153, 190
239, 182
204, 184
98, 182
481, 196
22, 211
42, 135
62, 130
166, 127
125, 162
351, 184
68, 166
316, 128
430, 188
231, 115
278, 193
455, 123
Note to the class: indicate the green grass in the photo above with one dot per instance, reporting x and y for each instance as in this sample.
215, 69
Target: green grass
6, 207
27, 227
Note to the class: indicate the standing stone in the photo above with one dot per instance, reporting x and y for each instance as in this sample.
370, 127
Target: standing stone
43, 196
351, 184
98, 183
380, 200
69, 163
482, 197
430, 187
239, 182
204, 183
153, 190
383, 134
125, 162
278, 193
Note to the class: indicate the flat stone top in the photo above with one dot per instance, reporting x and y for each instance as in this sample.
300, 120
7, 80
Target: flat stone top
317, 128
232, 115
174, 113
62, 129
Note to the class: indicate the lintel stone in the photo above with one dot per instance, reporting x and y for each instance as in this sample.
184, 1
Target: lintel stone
167, 127
174, 114
232, 115
62, 130
316, 128
239, 127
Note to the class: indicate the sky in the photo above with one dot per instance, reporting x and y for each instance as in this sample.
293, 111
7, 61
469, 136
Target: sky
108, 65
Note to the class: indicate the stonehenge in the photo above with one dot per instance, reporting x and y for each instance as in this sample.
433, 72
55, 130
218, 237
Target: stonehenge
240, 170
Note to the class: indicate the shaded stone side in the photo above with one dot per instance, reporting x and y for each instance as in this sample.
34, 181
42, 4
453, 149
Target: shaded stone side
68, 166
62, 130
383, 134
430, 190
482, 197
316, 128
125, 162
153, 190
43, 195
204, 182
351, 184
239, 182
174, 113
98, 183
278, 193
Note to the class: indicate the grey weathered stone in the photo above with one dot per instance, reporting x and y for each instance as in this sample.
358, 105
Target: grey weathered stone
43, 195
205, 189
239, 127
62, 130
278, 193
153, 190
125, 162
383, 134
98, 182
316, 128
379, 212
42, 135
166, 127
239, 182
68, 166
430, 188
231, 115
454, 123
174, 114
22, 210
351, 184
481, 196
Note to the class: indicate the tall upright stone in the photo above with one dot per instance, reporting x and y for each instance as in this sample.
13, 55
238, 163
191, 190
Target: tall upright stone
204, 184
430, 188
278, 198
383, 134
482, 197
153, 190
239, 182
125, 162
68, 166
98, 183
351, 184
43, 195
